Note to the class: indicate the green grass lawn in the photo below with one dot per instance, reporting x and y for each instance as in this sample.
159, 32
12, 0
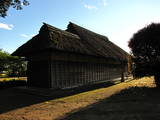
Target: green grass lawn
12, 82
13, 78
2, 75
120, 101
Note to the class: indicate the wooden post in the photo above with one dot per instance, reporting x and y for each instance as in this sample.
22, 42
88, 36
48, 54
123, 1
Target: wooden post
122, 73
122, 76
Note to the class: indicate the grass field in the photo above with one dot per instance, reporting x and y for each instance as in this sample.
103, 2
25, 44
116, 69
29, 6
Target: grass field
12, 82
13, 78
128, 100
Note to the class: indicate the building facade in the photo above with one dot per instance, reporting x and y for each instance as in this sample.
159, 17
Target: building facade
70, 58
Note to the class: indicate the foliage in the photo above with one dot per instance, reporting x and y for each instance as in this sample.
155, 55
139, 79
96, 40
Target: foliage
145, 46
14, 66
4, 59
6, 4
17, 66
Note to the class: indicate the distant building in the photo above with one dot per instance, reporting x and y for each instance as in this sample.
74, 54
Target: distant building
75, 57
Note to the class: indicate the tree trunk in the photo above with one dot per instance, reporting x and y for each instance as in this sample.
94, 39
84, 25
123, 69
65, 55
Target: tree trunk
157, 79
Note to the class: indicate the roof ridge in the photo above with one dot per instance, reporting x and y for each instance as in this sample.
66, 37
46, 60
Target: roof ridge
64, 32
98, 34
94, 39
71, 23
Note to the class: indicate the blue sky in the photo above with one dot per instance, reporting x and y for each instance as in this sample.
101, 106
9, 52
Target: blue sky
116, 19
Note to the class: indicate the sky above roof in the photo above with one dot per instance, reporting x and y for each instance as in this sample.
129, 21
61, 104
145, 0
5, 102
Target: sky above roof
116, 19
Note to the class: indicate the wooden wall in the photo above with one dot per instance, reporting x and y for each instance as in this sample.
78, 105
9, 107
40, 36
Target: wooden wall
65, 70
72, 74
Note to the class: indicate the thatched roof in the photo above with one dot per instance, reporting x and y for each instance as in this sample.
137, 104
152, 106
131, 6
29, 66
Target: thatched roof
75, 39
97, 43
53, 38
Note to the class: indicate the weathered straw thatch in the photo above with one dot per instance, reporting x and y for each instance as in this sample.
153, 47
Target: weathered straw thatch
74, 39
50, 37
99, 44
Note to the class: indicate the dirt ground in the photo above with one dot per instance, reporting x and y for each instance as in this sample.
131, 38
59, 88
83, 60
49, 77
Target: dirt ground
134, 100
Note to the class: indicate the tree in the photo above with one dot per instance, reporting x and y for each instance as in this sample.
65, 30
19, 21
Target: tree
17, 66
4, 58
145, 46
6, 4
14, 66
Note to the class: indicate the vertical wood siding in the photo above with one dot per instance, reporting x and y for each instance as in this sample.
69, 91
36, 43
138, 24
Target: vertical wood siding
72, 74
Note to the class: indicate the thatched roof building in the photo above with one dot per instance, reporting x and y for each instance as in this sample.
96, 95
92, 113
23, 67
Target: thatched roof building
52, 47
75, 39
98, 44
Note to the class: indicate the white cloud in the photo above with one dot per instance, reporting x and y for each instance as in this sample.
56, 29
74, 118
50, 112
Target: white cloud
27, 36
6, 26
105, 3
22, 4
99, 4
90, 7
32, 35
24, 35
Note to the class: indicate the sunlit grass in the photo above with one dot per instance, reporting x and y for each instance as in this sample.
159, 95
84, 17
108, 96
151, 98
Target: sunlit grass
59, 107
95, 94
12, 82
3, 75
13, 78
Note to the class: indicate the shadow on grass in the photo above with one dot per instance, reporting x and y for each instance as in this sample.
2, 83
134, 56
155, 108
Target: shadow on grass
13, 98
12, 83
135, 103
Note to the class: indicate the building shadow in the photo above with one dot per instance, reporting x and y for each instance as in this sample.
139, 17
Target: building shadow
135, 103
14, 98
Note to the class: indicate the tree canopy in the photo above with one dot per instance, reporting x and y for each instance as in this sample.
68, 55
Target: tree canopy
4, 57
14, 66
145, 46
6, 4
